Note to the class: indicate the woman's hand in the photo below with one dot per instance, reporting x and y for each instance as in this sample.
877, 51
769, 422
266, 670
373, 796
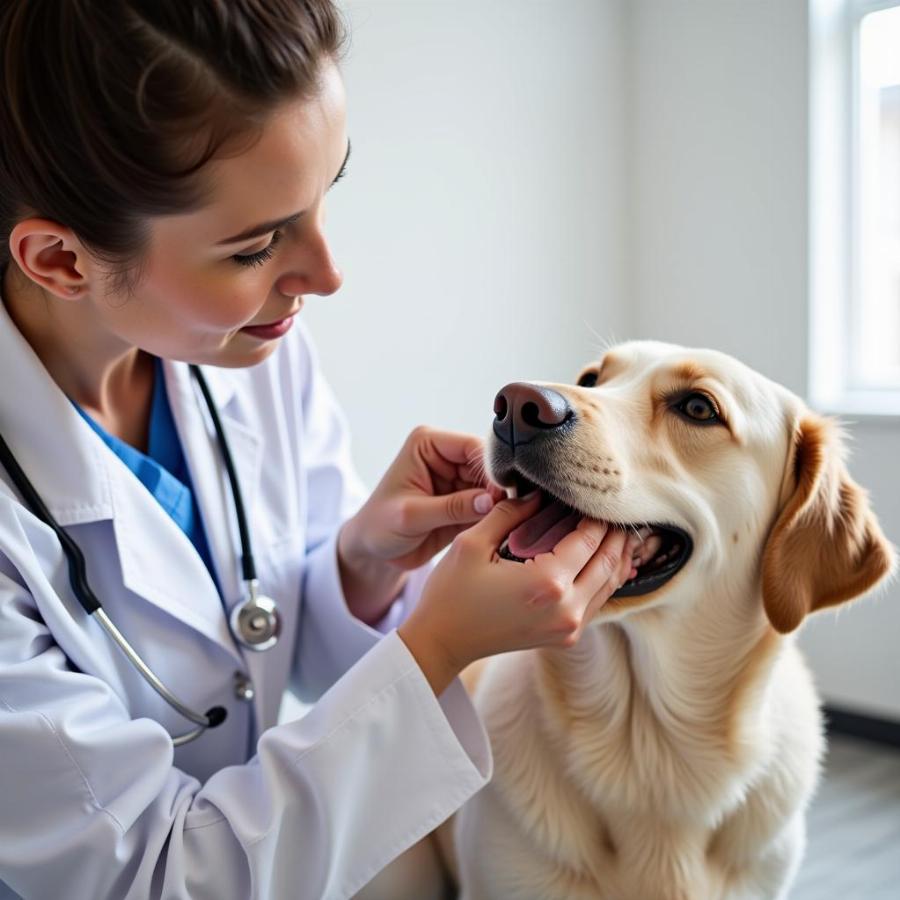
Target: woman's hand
424, 500
476, 604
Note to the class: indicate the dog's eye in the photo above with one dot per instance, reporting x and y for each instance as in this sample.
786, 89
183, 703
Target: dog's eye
589, 379
699, 408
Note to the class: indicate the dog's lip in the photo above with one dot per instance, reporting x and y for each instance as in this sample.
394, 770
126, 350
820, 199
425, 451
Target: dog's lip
640, 584
650, 581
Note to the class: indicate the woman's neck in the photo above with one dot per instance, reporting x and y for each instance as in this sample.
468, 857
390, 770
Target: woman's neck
110, 380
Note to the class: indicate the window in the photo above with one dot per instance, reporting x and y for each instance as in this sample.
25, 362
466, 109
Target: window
876, 350
855, 205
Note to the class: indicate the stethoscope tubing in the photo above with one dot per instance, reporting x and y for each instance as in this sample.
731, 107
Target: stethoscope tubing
216, 715
213, 717
91, 605
248, 566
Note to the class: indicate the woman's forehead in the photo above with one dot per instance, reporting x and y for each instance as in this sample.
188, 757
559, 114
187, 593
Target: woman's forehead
299, 151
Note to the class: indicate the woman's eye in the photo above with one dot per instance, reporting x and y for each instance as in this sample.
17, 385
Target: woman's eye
258, 258
699, 408
589, 379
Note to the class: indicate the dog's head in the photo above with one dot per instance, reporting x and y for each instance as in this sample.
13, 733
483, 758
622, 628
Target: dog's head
742, 483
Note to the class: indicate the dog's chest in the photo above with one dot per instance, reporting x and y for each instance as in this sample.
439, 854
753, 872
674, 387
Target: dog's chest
597, 805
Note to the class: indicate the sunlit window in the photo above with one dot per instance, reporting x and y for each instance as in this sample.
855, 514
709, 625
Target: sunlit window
875, 353
855, 206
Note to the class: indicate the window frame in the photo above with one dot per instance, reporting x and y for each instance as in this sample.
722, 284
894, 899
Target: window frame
834, 210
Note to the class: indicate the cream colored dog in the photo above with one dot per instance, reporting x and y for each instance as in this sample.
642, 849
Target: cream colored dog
671, 753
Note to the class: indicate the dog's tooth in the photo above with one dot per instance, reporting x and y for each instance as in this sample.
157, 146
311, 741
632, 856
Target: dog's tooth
647, 550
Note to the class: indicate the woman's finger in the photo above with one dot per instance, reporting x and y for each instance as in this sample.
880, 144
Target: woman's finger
495, 527
454, 447
602, 576
573, 551
592, 569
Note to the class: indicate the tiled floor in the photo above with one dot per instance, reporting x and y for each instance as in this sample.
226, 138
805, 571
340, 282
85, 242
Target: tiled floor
853, 826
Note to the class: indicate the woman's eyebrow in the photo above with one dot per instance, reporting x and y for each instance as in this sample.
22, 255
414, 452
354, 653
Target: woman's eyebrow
266, 227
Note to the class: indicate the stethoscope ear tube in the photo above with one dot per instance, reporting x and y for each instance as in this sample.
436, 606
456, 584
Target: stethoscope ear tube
248, 567
77, 569
86, 597
213, 717
256, 623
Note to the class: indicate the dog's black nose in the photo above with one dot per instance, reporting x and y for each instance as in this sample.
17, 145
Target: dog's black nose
523, 410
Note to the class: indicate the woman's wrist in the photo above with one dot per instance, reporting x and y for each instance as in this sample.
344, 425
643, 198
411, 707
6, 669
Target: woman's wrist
435, 662
370, 586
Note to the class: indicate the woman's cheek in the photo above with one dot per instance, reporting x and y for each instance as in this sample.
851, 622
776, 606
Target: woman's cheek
226, 309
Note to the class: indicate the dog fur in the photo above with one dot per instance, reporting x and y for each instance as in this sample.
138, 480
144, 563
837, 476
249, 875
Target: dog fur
672, 752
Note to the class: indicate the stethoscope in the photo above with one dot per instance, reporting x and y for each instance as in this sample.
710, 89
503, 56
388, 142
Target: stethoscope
255, 623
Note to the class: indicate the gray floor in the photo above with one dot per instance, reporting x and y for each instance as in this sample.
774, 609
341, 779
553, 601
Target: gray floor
853, 825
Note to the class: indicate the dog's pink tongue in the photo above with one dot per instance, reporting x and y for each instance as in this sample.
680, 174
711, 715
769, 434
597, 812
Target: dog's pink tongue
543, 531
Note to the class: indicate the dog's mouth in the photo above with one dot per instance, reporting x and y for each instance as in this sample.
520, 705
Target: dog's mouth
556, 518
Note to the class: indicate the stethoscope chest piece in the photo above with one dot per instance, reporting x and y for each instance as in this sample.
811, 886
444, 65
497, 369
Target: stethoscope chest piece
256, 623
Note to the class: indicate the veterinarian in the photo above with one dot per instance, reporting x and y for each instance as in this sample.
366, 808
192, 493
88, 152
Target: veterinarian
182, 534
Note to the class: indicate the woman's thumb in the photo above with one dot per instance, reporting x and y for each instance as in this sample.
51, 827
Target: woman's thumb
425, 514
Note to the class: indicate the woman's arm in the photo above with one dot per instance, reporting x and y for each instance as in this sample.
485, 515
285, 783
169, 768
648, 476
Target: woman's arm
93, 805
370, 588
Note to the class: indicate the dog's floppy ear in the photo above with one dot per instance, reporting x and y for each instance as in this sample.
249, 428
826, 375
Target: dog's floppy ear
826, 546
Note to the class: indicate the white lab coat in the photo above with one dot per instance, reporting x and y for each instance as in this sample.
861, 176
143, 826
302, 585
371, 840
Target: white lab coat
94, 800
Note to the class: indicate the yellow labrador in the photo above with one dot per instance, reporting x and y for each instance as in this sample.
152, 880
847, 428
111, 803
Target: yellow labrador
671, 753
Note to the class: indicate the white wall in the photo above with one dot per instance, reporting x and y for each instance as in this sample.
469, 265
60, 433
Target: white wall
525, 174
717, 252
479, 225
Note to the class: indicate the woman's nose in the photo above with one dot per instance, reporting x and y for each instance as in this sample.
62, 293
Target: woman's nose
311, 269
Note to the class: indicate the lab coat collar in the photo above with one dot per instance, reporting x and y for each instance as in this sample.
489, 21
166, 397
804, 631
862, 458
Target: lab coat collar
81, 480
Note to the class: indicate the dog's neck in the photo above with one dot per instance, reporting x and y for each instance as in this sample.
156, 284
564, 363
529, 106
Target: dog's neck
676, 683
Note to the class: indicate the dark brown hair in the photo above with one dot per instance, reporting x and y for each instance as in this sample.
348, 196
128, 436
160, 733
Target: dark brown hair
110, 108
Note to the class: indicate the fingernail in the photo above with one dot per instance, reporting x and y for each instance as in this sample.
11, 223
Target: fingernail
484, 503
531, 496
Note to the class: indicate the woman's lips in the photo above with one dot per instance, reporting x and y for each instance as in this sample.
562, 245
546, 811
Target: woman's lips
272, 330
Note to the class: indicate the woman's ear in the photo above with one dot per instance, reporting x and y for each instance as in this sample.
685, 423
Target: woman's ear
50, 255
826, 546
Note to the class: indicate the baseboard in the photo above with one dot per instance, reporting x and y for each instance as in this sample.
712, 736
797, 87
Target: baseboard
870, 728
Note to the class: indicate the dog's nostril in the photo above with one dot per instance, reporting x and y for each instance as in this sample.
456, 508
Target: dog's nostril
500, 406
531, 415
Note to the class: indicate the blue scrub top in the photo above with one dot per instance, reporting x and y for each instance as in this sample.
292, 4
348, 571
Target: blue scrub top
163, 469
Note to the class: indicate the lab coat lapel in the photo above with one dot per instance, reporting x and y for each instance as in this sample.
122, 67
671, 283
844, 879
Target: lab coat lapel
160, 564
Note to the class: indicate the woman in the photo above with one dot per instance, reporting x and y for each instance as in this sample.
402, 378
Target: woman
164, 168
